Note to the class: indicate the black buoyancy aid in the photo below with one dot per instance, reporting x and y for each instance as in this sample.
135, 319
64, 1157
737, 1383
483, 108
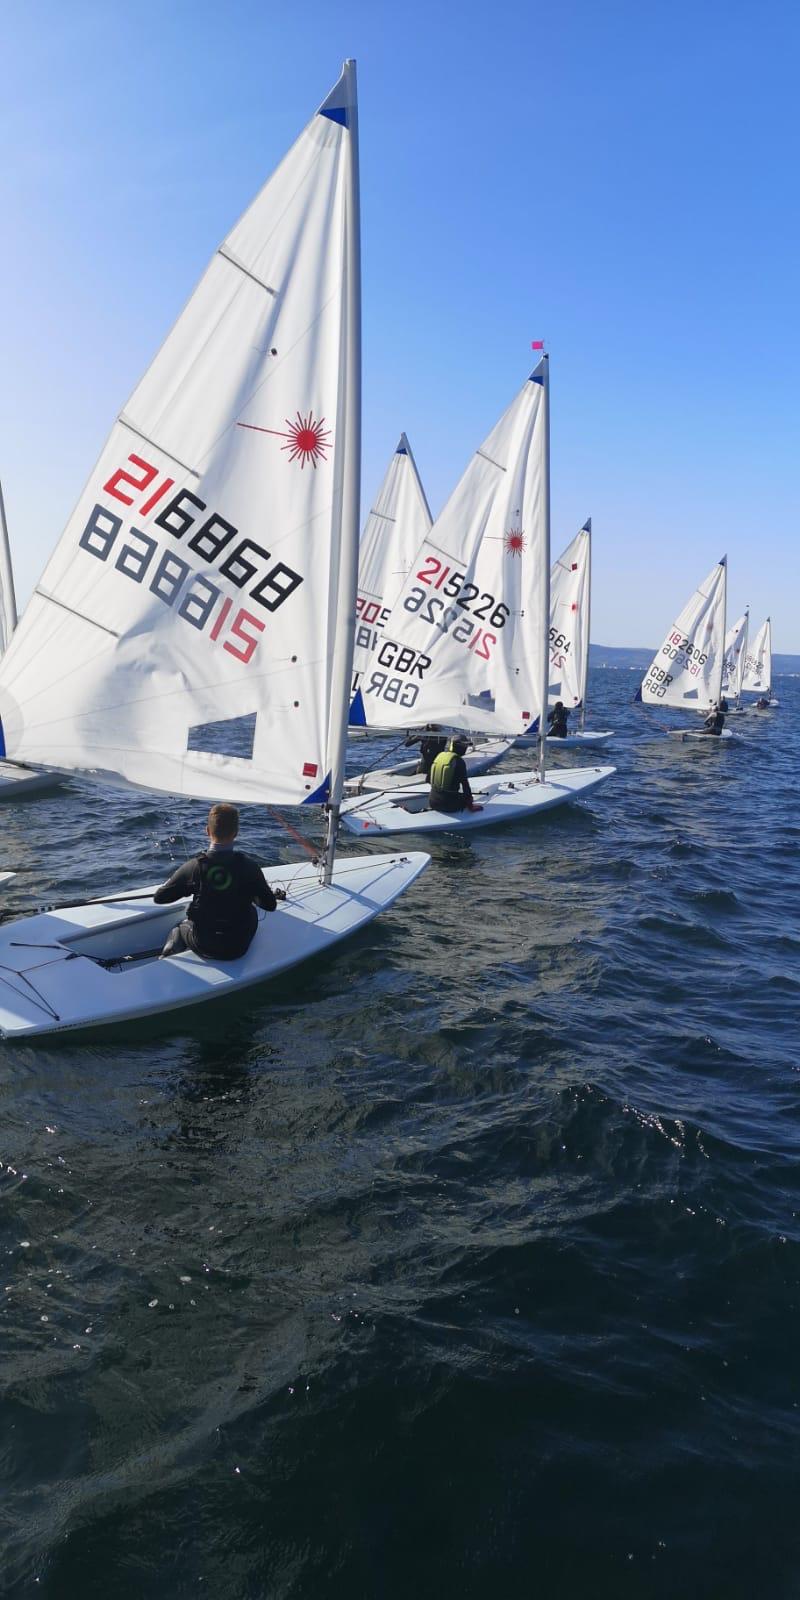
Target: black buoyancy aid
222, 905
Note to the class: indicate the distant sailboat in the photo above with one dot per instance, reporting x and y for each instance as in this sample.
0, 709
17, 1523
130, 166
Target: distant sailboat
210, 571
570, 615
757, 678
734, 664
16, 779
686, 673
396, 526
467, 641
394, 531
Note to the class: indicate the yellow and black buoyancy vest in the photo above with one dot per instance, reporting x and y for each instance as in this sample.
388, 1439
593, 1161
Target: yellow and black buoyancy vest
444, 774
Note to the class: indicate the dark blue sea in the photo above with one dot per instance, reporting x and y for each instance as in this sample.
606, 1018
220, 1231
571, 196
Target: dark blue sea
463, 1263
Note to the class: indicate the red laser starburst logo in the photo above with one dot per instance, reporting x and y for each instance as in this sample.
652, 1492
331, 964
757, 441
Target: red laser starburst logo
306, 440
514, 542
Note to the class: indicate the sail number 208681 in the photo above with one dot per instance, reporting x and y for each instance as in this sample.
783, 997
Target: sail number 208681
171, 578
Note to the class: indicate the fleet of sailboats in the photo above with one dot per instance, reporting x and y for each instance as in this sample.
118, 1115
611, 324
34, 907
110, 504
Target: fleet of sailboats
466, 644
212, 569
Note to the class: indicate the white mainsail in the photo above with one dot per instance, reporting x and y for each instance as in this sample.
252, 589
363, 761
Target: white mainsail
735, 657
570, 580
466, 642
393, 532
8, 600
758, 662
687, 670
209, 569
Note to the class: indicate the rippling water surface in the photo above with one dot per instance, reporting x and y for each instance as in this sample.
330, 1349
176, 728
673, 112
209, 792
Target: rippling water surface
462, 1263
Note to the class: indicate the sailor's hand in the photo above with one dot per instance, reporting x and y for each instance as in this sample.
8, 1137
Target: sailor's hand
280, 894
475, 808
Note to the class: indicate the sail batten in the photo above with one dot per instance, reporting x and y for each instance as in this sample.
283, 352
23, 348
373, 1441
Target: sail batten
214, 561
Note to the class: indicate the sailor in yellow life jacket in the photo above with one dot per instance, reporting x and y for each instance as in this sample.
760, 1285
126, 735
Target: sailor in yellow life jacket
450, 790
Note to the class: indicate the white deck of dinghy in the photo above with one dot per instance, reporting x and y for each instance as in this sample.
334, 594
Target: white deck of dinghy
504, 798
571, 741
51, 979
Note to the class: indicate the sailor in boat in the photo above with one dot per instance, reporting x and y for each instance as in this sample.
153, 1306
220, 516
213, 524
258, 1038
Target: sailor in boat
431, 743
715, 721
557, 721
450, 790
226, 886
762, 704
723, 706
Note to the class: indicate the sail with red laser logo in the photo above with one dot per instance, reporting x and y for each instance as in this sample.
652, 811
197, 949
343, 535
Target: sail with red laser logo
201, 575
466, 641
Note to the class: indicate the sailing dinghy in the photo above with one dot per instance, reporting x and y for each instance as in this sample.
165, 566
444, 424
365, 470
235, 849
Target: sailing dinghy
209, 571
734, 664
686, 672
17, 781
757, 676
396, 527
466, 644
397, 524
481, 758
570, 616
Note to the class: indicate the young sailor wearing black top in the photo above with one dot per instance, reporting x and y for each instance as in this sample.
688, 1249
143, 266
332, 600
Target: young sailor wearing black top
431, 744
557, 721
715, 721
226, 886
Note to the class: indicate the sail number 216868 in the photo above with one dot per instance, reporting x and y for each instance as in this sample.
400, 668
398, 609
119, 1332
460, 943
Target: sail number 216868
174, 581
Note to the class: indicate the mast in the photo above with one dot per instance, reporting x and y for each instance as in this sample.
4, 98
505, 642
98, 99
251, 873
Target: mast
742, 658
342, 671
8, 599
545, 695
720, 672
587, 528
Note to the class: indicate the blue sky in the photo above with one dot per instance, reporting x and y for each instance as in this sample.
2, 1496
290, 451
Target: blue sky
618, 178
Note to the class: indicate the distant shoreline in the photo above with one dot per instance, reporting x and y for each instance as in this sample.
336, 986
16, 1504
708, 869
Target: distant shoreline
602, 655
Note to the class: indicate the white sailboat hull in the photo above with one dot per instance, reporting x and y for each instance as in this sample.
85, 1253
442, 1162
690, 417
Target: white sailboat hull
505, 798
51, 980
571, 741
684, 734
17, 780
403, 773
